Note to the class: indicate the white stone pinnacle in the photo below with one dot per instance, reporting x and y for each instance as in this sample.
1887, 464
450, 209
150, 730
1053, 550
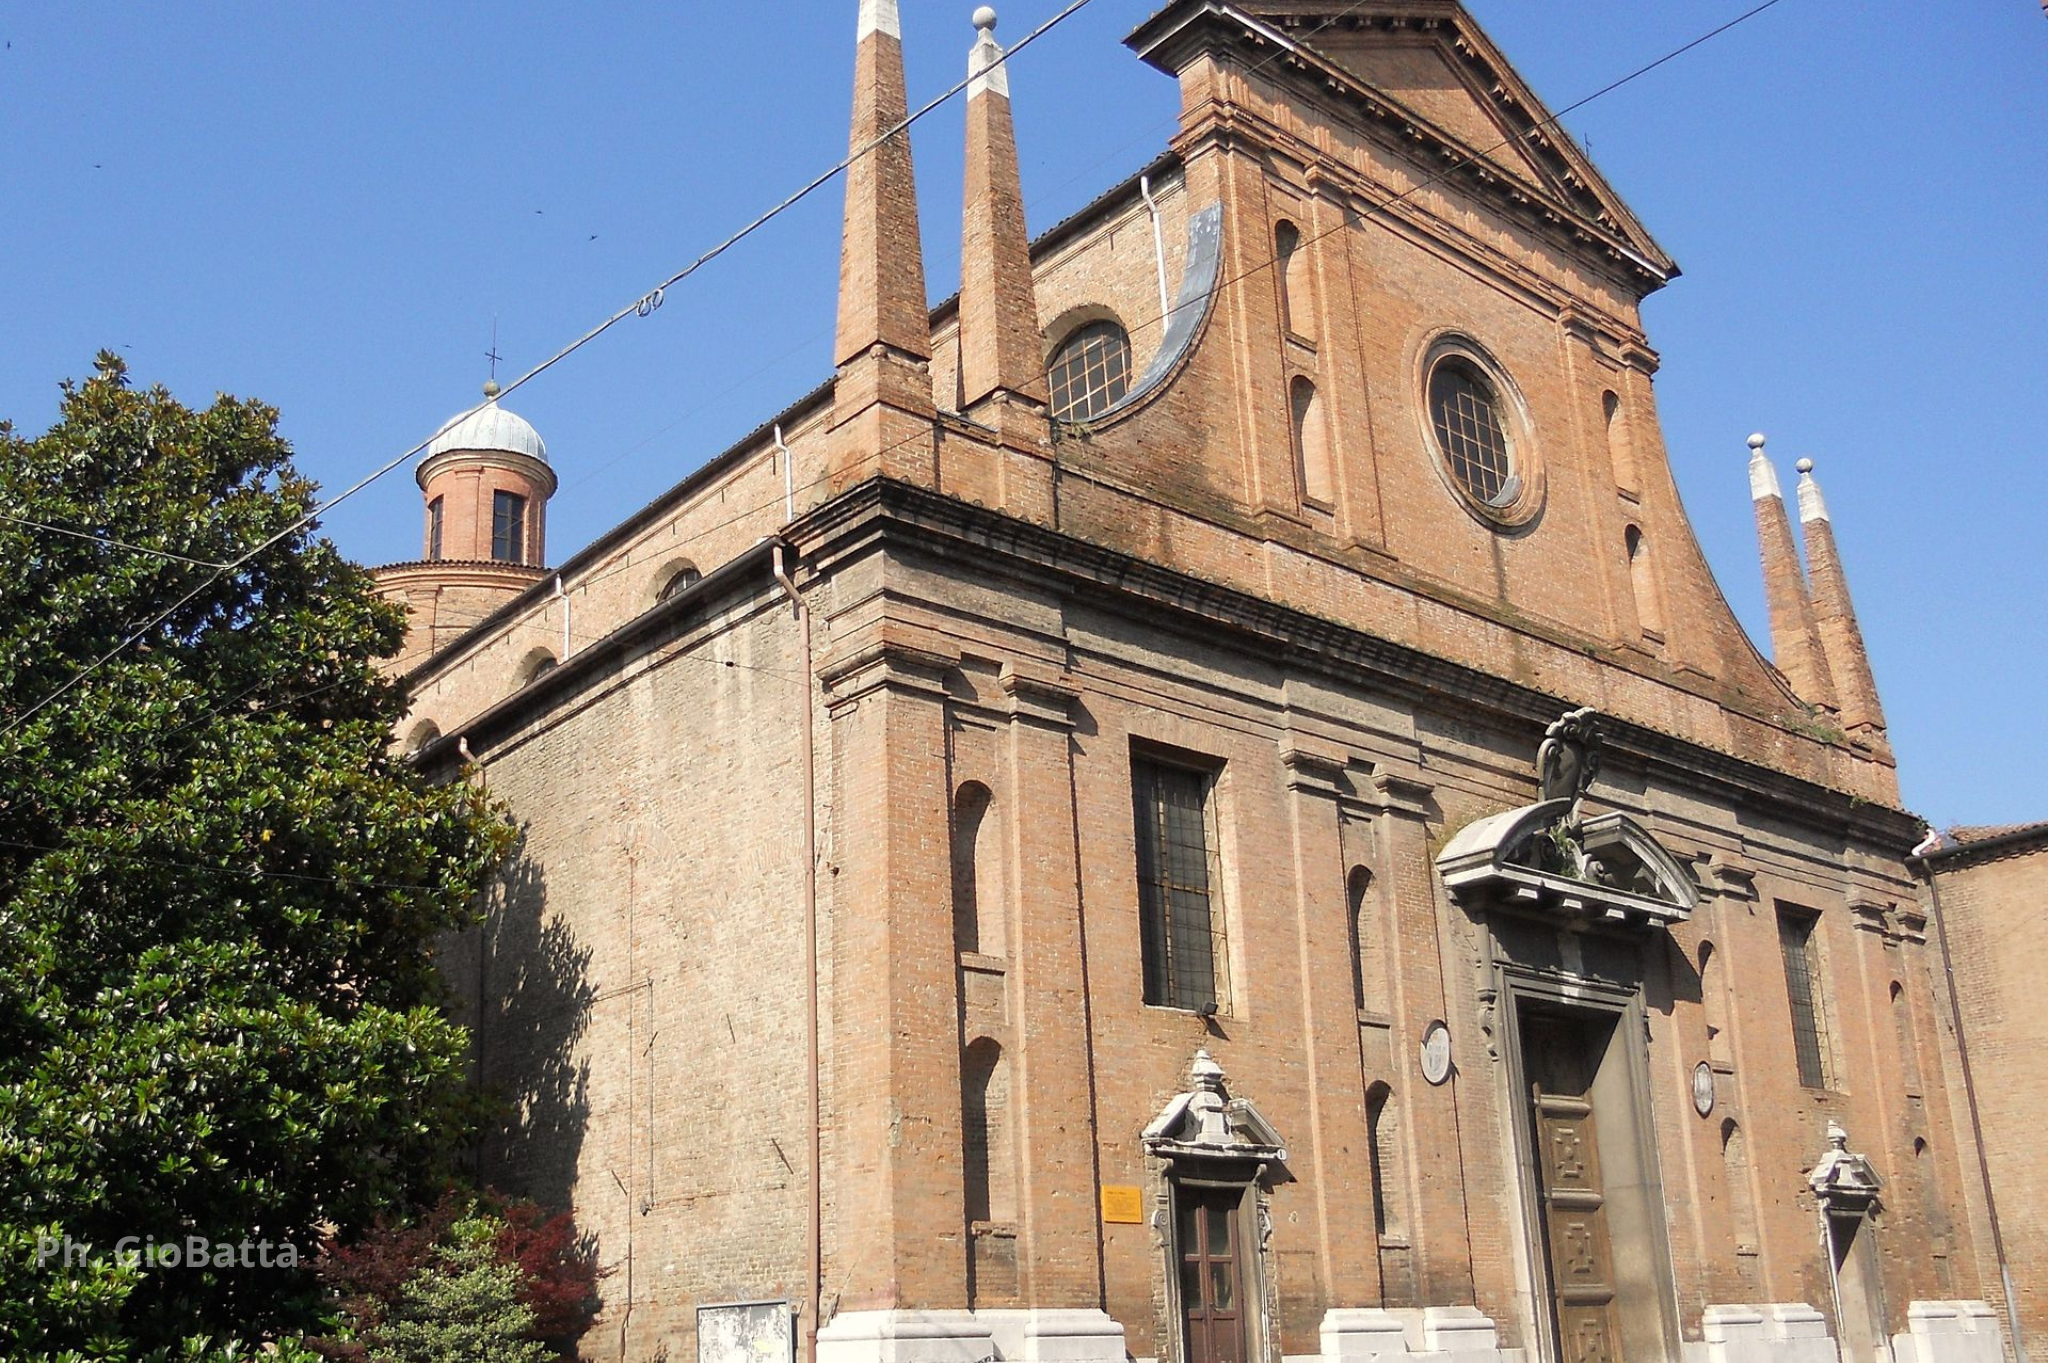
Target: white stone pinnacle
1811, 507
879, 16
1763, 475
987, 72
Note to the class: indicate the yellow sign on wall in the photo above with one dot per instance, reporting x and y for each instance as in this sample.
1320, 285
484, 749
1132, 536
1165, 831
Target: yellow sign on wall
1122, 1205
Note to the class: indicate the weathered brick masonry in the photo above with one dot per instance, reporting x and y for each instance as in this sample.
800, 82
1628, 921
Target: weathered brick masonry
1241, 656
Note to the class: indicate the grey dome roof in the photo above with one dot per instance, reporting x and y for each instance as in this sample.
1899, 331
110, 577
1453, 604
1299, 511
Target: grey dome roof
490, 427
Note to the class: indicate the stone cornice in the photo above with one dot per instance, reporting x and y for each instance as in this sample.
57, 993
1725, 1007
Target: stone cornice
525, 465
459, 572
595, 661
884, 512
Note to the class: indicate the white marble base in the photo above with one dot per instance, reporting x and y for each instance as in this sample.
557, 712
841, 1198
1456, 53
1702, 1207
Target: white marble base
1362, 1335
1776, 1332
904, 1337
1439, 1334
1950, 1332
1053, 1335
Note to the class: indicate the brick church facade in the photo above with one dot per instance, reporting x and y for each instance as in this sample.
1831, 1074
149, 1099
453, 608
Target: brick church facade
1199, 801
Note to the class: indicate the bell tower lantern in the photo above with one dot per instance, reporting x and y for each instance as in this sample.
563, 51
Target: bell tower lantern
485, 481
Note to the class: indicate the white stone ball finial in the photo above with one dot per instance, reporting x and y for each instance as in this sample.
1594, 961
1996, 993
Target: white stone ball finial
1804, 466
1756, 442
985, 18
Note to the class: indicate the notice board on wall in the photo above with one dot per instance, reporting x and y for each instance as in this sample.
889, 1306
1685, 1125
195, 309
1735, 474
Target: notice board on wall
746, 1332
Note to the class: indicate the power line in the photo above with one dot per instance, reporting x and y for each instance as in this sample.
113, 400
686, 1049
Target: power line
110, 542
1440, 176
247, 872
643, 306
825, 333
1551, 121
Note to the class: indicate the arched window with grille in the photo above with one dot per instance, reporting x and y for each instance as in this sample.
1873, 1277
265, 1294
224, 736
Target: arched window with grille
1090, 370
675, 577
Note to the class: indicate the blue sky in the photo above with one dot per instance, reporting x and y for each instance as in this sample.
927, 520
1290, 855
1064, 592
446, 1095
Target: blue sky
328, 207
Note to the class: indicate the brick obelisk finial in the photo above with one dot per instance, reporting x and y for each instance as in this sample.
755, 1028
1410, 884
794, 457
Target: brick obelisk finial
999, 339
881, 259
1795, 643
1841, 638
882, 393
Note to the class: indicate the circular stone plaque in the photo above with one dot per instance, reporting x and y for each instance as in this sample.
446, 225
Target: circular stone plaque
1703, 1088
1436, 1052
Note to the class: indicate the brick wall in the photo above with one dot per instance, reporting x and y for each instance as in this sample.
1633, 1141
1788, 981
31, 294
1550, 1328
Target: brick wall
1995, 905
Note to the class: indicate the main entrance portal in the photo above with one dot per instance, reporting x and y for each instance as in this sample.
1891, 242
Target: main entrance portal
1560, 1058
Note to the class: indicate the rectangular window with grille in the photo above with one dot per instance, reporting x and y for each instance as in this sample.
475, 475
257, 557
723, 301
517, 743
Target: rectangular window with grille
434, 530
1803, 989
508, 527
1181, 922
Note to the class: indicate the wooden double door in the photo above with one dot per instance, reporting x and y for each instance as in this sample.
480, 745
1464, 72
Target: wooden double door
1209, 1247
1560, 1058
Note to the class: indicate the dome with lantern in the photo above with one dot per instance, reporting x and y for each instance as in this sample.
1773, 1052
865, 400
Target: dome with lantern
489, 427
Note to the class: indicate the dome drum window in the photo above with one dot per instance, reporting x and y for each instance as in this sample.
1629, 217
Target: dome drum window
1090, 371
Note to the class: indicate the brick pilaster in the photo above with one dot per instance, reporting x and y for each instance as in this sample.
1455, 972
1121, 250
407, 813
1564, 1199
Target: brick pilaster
895, 1182
1060, 1241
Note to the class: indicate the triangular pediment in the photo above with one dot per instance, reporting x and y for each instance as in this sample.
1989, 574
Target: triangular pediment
1421, 71
1433, 67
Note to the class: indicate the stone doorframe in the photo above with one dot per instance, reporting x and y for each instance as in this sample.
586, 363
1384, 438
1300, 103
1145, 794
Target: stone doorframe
1206, 1138
1645, 1280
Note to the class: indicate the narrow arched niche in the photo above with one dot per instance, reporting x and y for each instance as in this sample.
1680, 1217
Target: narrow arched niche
978, 898
1369, 983
1909, 1047
1621, 451
1318, 469
1297, 302
1383, 1152
1642, 578
988, 1173
1735, 1168
1714, 1004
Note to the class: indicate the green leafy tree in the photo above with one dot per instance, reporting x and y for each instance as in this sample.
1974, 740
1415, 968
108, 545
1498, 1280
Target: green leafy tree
464, 1308
475, 1280
219, 887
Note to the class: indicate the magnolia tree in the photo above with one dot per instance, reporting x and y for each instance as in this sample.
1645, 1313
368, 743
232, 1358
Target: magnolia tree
221, 1031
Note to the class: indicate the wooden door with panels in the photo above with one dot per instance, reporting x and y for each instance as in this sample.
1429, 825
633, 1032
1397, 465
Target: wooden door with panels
1211, 1256
1560, 1057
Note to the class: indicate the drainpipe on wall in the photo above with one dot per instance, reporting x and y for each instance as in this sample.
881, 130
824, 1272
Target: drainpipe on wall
814, 1231
1158, 243
788, 478
563, 597
1955, 1009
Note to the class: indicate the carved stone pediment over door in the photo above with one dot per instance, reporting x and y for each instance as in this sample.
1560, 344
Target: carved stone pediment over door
1548, 859
1206, 1123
